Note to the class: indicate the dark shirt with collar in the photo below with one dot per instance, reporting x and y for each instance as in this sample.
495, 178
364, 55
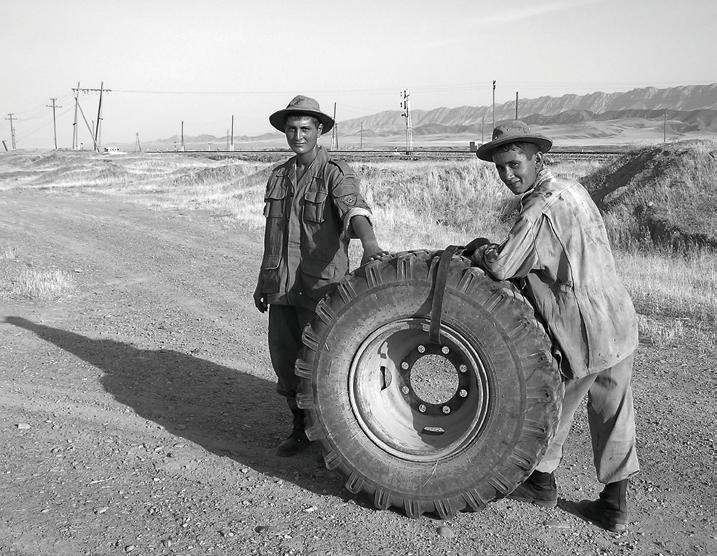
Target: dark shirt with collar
308, 228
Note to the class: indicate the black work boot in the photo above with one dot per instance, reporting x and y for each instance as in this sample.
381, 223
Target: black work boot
609, 511
297, 441
539, 489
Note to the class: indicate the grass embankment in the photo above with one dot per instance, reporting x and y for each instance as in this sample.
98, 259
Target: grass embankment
660, 197
417, 204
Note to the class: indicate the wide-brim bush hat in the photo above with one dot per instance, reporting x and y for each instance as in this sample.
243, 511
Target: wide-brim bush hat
301, 105
512, 131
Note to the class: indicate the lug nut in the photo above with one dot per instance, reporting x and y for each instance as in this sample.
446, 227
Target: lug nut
422, 408
404, 365
463, 393
445, 350
421, 349
462, 368
405, 389
446, 409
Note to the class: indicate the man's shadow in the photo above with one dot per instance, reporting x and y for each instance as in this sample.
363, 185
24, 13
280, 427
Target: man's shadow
228, 412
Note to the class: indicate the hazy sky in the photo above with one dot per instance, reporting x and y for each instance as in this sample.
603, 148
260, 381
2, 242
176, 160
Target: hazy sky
201, 62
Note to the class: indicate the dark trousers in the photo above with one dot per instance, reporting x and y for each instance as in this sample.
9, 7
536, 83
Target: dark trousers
286, 324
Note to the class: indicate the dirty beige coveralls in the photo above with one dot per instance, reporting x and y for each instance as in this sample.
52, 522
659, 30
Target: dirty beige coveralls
560, 247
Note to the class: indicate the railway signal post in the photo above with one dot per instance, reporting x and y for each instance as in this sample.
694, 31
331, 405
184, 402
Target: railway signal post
406, 106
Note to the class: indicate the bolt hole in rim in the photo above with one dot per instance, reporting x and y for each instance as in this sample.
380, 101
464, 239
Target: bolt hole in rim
387, 402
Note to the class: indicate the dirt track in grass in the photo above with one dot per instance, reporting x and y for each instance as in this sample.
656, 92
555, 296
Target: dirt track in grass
138, 413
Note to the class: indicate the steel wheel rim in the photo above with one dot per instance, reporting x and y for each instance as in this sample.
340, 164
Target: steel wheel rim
390, 412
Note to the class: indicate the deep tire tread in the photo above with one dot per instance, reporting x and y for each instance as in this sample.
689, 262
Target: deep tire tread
509, 309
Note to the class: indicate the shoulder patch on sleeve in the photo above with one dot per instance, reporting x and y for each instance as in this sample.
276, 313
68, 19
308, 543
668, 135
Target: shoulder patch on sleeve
341, 165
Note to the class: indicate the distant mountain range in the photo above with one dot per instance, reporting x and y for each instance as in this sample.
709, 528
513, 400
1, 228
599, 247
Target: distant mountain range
633, 116
693, 105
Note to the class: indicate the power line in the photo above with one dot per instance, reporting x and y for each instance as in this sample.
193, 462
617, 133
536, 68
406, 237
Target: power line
27, 134
425, 88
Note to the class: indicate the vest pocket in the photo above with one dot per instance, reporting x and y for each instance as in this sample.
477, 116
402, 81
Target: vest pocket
314, 201
274, 211
274, 198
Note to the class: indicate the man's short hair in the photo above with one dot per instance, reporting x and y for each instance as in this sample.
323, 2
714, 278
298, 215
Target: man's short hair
314, 119
527, 148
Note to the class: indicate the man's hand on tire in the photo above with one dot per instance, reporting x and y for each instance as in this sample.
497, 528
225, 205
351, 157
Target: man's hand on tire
372, 253
471, 248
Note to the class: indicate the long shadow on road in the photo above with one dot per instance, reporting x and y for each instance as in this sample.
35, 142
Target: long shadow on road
226, 411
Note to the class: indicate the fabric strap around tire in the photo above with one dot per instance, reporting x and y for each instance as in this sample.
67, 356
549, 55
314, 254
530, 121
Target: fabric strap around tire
439, 286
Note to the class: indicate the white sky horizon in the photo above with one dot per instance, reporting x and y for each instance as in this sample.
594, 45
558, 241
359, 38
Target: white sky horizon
171, 61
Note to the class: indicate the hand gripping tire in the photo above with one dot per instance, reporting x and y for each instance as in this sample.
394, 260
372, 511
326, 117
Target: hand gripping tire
428, 426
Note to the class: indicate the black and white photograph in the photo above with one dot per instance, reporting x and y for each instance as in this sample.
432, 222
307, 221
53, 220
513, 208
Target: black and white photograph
382, 278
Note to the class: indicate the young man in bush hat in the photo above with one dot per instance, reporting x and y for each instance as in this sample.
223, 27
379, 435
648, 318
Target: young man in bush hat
313, 207
558, 250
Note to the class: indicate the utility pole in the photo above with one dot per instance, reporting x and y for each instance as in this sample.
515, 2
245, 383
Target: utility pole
137, 146
12, 130
94, 130
482, 128
54, 123
664, 127
231, 143
74, 121
182, 135
99, 118
406, 105
361, 136
494, 104
334, 133
516, 105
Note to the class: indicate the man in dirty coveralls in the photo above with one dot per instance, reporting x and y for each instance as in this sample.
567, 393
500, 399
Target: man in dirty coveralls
559, 251
313, 207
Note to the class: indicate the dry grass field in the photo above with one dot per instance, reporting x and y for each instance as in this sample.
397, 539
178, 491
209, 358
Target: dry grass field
139, 415
418, 204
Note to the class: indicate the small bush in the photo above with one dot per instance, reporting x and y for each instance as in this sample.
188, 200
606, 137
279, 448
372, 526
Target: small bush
8, 253
43, 284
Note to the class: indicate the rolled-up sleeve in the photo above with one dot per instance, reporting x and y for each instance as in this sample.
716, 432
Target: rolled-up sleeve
346, 197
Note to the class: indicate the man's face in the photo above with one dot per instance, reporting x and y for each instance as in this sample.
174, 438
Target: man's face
517, 169
302, 133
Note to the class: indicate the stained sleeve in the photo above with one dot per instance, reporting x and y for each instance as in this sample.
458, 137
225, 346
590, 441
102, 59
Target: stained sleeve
517, 255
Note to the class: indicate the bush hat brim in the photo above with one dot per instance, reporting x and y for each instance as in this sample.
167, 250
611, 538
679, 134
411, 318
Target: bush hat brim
513, 131
301, 105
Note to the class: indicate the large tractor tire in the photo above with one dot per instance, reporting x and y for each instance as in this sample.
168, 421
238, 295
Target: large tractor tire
425, 422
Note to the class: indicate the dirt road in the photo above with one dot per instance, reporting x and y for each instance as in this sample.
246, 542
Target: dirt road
138, 414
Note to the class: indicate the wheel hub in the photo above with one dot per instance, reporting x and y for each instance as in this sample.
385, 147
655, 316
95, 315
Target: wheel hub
417, 400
